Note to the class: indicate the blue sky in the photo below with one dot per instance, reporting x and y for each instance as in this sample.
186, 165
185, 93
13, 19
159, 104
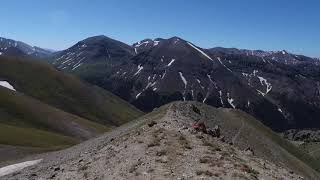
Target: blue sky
293, 25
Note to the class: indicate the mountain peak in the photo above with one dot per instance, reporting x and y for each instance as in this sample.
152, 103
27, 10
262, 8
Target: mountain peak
175, 37
147, 43
284, 52
96, 38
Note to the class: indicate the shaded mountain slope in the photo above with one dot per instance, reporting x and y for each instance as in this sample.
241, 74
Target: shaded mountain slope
43, 82
277, 87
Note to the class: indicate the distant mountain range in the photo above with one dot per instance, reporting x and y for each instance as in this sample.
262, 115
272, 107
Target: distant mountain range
17, 48
279, 88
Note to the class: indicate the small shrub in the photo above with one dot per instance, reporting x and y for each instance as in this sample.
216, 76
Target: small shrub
207, 173
162, 152
204, 160
83, 168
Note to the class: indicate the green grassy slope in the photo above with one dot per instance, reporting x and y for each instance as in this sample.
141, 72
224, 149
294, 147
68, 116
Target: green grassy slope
52, 110
269, 144
26, 116
38, 127
286, 151
63, 91
20, 111
245, 131
29, 137
312, 148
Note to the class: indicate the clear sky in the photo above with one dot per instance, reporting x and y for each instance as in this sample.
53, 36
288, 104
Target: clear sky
293, 25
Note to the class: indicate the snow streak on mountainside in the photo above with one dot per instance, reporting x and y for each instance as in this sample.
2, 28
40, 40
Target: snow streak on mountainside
7, 85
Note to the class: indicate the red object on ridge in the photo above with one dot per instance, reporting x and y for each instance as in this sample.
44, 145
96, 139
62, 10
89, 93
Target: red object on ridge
200, 127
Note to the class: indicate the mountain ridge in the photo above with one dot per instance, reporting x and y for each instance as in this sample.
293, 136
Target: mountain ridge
163, 70
26, 49
167, 142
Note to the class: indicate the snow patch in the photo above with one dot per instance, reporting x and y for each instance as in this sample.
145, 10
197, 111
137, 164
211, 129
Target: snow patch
220, 96
137, 96
210, 79
200, 51
139, 69
260, 92
219, 59
263, 81
204, 100
185, 85
249, 76
183, 80
153, 84
66, 61
202, 87
245, 74
207, 95
171, 62
155, 43
17, 167
149, 84
79, 54
7, 85
230, 101
164, 74
76, 66
141, 43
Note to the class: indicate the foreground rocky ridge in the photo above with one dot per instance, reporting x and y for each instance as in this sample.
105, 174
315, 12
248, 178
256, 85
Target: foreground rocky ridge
160, 145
